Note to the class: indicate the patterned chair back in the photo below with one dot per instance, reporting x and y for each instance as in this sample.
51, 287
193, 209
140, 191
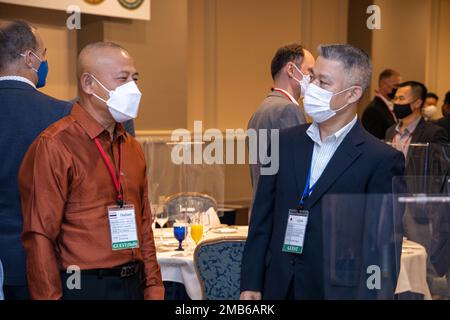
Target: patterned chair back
218, 266
200, 202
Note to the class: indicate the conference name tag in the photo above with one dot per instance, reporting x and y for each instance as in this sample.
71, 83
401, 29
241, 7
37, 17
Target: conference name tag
295, 231
122, 223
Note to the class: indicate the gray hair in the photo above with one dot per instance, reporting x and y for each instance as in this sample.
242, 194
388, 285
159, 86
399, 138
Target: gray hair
16, 37
356, 62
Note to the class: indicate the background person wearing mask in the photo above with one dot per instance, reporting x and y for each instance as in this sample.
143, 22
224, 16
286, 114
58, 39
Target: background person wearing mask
26, 112
444, 122
84, 191
280, 109
378, 115
430, 108
412, 128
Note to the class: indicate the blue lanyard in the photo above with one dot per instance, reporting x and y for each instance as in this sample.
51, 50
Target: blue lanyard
308, 190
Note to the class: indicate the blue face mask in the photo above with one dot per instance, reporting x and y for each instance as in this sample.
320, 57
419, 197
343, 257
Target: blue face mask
42, 71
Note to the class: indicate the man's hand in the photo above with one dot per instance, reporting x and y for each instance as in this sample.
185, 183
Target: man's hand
250, 295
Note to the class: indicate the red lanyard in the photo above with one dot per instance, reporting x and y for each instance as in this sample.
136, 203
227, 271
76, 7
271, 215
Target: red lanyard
114, 175
286, 94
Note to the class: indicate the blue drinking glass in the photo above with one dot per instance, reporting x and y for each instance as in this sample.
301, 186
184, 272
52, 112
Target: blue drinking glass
179, 231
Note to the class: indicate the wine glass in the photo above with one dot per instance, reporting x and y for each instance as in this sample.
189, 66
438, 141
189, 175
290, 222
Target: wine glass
206, 218
162, 218
197, 227
154, 209
180, 232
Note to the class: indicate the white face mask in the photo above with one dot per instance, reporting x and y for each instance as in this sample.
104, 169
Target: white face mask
304, 83
429, 111
123, 102
317, 103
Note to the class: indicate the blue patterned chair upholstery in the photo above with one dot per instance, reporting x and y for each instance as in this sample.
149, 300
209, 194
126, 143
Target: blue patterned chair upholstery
218, 266
200, 201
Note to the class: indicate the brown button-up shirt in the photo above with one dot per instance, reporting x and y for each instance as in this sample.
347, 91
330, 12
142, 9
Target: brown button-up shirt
65, 190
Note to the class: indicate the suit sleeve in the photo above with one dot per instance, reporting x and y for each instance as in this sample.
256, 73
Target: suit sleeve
383, 231
291, 116
253, 260
44, 180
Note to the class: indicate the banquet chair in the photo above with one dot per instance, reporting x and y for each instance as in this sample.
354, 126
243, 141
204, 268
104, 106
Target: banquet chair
218, 266
175, 203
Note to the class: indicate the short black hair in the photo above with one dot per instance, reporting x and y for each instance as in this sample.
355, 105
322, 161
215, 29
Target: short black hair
387, 73
418, 89
447, 98
432, 95
285, 54
356, 62
15, 38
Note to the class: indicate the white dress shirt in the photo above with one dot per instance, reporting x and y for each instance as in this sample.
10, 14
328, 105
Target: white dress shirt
324, 150
18, 78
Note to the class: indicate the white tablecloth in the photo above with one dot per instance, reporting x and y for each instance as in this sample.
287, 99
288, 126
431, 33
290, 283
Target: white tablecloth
179, 267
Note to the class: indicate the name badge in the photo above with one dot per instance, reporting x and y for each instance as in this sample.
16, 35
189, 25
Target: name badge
122, 223
295, 231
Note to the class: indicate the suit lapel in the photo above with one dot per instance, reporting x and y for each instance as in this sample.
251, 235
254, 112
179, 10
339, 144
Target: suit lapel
417, 134
303, 149
344, 156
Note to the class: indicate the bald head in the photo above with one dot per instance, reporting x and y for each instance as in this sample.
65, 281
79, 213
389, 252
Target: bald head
102, 67
106, 62
100, 57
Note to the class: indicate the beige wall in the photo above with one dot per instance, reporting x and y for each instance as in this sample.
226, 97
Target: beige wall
401, 46
159, 48
419, 46
438, 45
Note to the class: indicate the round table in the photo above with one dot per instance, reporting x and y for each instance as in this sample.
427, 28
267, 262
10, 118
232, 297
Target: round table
179, 266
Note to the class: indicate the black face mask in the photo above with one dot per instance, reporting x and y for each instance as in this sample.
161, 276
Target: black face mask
402, 110
391, 95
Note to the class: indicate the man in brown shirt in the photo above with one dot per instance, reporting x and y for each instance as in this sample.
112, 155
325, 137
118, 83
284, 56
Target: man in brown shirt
77, 210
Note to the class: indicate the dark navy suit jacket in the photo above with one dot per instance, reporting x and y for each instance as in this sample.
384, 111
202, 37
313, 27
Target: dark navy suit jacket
25, 113
346, 233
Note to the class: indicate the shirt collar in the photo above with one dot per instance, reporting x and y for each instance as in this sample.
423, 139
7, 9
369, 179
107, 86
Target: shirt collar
409, 129
18, 78
91, 126
314, 132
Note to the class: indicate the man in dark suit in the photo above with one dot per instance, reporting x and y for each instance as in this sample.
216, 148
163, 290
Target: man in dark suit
26, 112
412, 127
378, 115
444, 122
332, 161
280, 109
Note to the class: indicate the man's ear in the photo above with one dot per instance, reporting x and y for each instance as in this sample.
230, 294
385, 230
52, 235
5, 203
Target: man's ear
289, 69
28, 57
355, 94
86, 82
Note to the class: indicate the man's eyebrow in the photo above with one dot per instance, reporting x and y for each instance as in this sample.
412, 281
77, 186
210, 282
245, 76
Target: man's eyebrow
123, 72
